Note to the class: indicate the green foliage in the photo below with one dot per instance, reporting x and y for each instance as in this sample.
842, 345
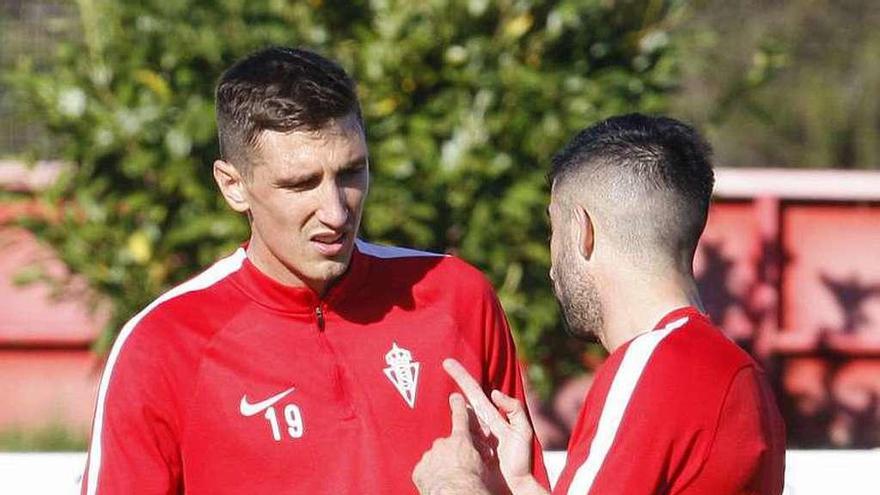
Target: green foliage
795, 84
52, 438
465, 102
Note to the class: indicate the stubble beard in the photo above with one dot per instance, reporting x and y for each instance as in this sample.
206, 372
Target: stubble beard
579, 300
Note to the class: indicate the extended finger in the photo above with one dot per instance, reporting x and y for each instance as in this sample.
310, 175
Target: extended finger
479, 429
516, 413
483, 407
460, 416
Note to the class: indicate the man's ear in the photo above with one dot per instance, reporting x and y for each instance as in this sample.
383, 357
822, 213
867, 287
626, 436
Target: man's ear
585, 235
231, 185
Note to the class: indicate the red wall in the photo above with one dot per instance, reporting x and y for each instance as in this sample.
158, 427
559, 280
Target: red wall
798, 284
48, 375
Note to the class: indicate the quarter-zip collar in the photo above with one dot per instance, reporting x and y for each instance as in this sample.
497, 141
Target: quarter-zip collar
301, 300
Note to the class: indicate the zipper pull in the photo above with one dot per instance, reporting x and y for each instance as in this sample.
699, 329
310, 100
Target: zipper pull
319, 313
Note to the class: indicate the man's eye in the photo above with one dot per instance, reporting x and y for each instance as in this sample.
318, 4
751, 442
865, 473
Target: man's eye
304, 185
351, 175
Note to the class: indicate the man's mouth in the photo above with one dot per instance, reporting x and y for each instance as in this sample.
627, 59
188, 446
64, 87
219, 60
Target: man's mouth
329, 244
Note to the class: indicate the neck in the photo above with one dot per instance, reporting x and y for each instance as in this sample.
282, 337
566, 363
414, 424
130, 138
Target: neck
635, 304
262, 258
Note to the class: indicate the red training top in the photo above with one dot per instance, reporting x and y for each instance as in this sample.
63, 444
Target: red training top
234, 383
680, 410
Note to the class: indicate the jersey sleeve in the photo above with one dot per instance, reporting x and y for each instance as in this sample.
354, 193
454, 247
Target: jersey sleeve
737, 449
503, 370
747, 455
134, 444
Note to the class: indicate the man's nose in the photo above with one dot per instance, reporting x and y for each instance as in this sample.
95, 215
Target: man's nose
333, 211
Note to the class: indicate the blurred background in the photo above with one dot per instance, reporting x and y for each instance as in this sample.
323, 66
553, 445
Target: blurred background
107, 135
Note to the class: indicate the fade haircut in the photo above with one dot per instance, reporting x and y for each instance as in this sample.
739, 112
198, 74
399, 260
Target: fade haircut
649, 179
279, 89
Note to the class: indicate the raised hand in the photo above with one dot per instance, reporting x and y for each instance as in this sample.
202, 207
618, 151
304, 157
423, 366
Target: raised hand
511, 430
452, 465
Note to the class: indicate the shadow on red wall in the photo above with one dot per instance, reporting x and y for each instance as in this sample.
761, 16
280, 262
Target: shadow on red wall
797, 283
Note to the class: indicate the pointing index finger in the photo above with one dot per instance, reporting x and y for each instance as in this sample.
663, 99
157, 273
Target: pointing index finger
460, 418
483, 407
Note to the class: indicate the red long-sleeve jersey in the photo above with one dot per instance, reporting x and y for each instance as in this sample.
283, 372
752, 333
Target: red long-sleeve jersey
680, 410
234, 383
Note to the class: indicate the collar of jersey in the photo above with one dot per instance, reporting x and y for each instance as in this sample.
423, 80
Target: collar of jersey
675, 314
267, 291
671, 317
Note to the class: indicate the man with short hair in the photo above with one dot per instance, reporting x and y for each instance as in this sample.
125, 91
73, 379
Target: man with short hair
308, 361
677, 408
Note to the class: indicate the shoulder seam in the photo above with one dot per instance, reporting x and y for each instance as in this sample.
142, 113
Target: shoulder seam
717, 422
198, 375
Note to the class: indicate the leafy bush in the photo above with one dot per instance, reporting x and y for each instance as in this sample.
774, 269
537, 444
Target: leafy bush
465, 102
788, 85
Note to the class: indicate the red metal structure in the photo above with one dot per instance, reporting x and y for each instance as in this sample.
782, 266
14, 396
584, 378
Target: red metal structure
789, 266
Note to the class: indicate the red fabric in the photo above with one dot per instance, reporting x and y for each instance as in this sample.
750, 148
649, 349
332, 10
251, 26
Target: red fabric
172, 419
700, 420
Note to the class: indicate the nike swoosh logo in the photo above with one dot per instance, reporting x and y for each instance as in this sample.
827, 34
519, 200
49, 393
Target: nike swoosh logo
248, 409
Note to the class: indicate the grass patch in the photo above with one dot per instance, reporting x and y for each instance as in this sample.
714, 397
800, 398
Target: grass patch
53, 438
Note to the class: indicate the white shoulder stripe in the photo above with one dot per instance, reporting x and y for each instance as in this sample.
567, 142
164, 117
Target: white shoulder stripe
388, 252
634, 361
217, 272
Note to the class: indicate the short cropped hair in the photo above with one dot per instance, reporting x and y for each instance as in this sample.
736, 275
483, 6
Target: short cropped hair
650, 176
279, 89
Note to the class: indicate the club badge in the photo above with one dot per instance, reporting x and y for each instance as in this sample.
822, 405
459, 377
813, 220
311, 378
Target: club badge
403, 373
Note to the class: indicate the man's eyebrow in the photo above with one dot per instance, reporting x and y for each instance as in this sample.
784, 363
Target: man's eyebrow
355, 163
293, 180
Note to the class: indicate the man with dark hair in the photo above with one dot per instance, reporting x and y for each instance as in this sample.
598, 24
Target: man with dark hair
677, 408
308, 361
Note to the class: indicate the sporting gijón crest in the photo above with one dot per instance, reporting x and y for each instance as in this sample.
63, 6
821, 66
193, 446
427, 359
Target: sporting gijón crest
403, 373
